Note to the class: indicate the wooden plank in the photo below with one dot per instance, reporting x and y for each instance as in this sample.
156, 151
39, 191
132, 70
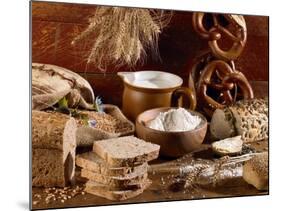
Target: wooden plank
43, 42
56, 24
254, 61
62, 12
52, 44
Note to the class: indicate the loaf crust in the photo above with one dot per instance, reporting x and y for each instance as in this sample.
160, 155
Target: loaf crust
248, 118
251, 119
50, 83
53, 149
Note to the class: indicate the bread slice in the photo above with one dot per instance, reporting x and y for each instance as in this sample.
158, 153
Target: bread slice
101, 186
132, 179
126, 151
228, 146
116, 195
92, 162
255, 171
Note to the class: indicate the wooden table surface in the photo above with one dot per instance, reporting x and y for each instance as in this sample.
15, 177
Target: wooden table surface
160, 190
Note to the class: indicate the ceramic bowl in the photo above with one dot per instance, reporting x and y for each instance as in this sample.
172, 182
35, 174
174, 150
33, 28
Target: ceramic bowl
172, 144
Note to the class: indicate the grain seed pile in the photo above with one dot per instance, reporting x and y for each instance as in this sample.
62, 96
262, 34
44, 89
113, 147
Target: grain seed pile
105, 122
55, 194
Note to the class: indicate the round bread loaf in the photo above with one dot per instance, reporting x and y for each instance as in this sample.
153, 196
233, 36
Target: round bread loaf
248, 118
255, 171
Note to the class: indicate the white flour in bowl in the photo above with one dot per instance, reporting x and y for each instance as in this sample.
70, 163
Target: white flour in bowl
175, 120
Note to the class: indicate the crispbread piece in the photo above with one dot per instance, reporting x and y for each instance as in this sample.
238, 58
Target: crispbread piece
92, 162
132, 179
126, 151
116, 195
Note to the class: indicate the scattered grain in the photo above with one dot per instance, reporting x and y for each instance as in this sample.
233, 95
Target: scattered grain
35, 202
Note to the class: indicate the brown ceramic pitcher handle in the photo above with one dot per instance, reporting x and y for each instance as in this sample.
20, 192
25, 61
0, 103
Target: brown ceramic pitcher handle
183, 91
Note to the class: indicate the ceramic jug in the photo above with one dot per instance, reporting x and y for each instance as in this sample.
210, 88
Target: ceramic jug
145, 90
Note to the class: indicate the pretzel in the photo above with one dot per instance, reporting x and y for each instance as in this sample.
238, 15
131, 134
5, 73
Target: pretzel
217, 31
228, 80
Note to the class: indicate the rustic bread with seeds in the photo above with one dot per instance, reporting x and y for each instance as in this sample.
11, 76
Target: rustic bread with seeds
248, 118
255, 171
116, 195
50, 83
53, 149
126, 151
133, 179
92, 162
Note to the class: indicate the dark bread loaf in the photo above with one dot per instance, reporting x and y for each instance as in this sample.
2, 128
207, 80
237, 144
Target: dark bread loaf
248, 118
53, 149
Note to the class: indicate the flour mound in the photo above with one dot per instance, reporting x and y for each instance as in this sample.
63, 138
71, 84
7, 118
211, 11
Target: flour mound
175, 120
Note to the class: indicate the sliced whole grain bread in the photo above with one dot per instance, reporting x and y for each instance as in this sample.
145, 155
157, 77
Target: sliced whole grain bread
101, 186
126, 151
92, 162
116, 195
132, 179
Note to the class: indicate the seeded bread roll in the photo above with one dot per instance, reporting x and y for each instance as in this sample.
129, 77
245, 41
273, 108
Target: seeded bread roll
133, 179
255, 171
248, 118
53, 149
116, 195
92, 162
126, 151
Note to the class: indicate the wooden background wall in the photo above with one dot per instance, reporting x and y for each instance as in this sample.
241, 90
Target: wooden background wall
54, 25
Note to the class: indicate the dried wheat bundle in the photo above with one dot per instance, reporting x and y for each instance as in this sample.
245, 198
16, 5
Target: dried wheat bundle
122, 36
214, 172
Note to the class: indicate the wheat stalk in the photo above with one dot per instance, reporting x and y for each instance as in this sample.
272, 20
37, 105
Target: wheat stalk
121, 36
